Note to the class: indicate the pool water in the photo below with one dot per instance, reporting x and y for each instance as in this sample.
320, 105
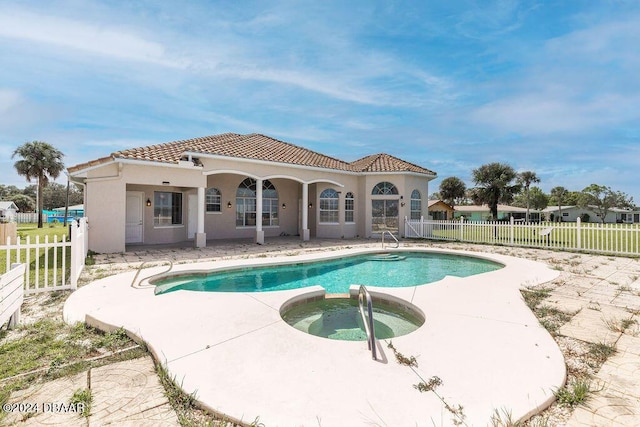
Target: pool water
397, 269
339, 319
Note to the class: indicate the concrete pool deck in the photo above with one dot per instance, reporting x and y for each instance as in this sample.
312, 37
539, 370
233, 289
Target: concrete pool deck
243, 360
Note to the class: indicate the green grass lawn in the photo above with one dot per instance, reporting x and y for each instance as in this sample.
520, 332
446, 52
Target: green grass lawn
48, 256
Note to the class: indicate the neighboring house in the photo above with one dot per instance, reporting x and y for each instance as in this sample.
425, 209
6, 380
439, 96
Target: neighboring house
572, 213
439, 210
505, 212
76, 211
8, 211
244, 186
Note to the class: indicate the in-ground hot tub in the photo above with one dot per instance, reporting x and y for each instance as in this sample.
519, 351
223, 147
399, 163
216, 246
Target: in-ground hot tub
339, 318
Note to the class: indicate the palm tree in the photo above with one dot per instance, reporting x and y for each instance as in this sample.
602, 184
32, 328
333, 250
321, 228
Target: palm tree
40, 161
452, 189
525, 179
559, 193
495, 186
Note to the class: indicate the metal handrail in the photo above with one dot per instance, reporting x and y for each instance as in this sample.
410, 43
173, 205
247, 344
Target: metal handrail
368, 323
390, 234
133, 285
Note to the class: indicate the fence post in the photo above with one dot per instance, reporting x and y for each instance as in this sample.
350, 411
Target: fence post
461, 228
578, 234
422, 227
512, 223
85, 234
75, 255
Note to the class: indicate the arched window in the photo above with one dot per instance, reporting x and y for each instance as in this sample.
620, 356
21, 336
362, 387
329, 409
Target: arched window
213, 200
246, 203
348, 207
416, 204
384, 189
329, 206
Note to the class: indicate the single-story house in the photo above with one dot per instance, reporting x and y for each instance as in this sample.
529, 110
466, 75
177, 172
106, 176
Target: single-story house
505, 212
244, 186
439, 210
76, 211
8, 211
572, 213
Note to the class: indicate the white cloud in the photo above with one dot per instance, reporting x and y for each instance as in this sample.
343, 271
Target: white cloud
94, 38
578, 83
335, 66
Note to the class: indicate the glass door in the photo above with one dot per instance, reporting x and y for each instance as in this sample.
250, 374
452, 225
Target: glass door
384, 216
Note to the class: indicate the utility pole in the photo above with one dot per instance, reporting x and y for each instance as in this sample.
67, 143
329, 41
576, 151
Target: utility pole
66, 204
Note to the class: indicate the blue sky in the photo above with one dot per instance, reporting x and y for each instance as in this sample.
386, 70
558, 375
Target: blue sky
547, 86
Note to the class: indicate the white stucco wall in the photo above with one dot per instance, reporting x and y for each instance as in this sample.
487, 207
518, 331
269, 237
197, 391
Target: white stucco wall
106, 188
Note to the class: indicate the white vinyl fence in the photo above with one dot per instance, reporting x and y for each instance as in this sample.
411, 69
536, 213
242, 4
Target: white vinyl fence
30, 217
50, 266
11, 294
618, 239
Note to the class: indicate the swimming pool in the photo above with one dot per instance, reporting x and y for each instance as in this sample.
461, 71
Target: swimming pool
396, 269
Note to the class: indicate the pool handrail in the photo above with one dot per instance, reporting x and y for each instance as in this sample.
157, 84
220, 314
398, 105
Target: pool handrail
368, 323
390, 234
133, 282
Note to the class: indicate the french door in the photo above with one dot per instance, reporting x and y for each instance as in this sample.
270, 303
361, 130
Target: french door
384, 216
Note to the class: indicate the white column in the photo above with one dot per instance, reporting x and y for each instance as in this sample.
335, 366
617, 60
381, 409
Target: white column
259, 231
201, 236
305, 212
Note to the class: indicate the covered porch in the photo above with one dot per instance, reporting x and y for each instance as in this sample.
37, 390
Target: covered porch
232, 204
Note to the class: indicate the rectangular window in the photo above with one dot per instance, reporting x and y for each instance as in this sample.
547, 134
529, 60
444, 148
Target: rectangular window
213, 201
167, 208
269, 212
329, 210
245, 212
348, 210
416, 209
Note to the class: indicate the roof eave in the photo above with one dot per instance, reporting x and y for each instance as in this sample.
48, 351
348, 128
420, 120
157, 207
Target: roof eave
269, 162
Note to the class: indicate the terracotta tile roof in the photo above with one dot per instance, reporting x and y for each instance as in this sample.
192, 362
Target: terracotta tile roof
257, 147
387, 163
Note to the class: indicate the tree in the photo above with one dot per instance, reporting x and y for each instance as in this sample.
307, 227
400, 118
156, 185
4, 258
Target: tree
31, 191
6, 191
452, 189
23, 202
525, 179
495, 185
558, 195
538, 199
600, 199
41, 161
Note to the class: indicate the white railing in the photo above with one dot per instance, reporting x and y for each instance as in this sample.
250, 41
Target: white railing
618, 239
50, 266
367, 319
392, 236
11, 295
